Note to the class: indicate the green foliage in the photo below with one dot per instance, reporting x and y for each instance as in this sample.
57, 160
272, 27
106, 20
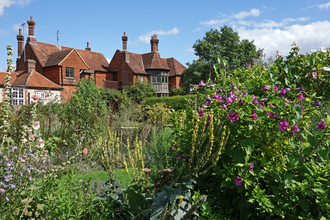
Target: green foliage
158, 114
223, 43
174, 102
84, 114
177, 91
139, 91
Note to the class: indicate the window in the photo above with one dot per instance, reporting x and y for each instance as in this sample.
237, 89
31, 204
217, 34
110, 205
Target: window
159, 77
68, 72
41, 95
17, 96
115, 76
141, 79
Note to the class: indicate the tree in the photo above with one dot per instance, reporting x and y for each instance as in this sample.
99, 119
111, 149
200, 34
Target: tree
224, 43
140, 91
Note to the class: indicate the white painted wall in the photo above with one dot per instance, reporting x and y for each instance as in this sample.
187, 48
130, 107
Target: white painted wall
50, 96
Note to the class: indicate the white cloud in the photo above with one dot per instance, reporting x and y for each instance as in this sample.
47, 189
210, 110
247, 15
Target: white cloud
3, 33
324, 6
270, 23
7, 3
197, 29
213, 22
108, 60
145, 38
253, 13
3, 69
190, 50
16, 27
313, 35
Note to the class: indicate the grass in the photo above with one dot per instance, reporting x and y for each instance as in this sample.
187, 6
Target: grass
120, 175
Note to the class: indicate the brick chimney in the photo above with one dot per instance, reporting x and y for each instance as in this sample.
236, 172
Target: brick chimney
31, 38
126, 53
20, 42
30, 65
154, 43
88, 48
124, 38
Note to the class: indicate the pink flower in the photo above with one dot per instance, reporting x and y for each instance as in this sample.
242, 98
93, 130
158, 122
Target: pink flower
295, 128
31, 138
23, 158
321, 125
276, 88
178, 156
314, 74
300, 96
265, 88
255, 101
254, 116
283, 125
36, 125
233, 116
298, 48
223, 106
201, 84
251, 167
29, 130
204, 106
25, 140
41, 143
35, 98
84, 151
283, 93
238, 181
207, 124
263, 68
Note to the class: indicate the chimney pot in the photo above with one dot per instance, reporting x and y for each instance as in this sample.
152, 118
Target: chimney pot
31, 38
154, 43
88, 48
124, 39
20, 42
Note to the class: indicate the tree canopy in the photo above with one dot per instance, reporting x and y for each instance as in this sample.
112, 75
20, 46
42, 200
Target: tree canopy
224, 43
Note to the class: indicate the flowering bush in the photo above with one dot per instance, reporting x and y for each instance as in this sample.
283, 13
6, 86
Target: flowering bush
271, 164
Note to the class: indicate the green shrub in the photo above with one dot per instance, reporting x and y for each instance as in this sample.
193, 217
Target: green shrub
177, 91
139, 91
174, 102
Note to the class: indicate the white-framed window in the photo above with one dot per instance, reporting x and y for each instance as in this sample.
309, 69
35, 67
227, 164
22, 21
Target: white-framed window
17, 96
141, 79
41, 95
69, 72
159, 77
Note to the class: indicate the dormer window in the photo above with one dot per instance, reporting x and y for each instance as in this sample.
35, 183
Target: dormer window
68, 72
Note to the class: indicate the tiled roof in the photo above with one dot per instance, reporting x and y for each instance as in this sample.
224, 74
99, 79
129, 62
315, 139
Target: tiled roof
176, 68
33, 79
48, 54
4, 74
152, 60
136, 63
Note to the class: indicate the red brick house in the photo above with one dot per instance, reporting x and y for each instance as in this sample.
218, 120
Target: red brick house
64, 66
27, 83
163, 73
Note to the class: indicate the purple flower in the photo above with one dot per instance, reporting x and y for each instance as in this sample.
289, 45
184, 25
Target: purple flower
208, 100
229, 100
276, 88
187, 158
189, 102
204, 106
214, 96
283, 93
263, 99
219, 98
241, 102
255, 101
295, 128
233, 116
13, 149
288, 89
251, 167
172, 148
283, 125
254, 115
209, 117
223, 106
291, 133
7, 198
300, 96
317, 103
300, 89
200, 113
207, 124
262, 104
321, 125
201, 84
219, 90
178, 156
2, 191
265, 88
232, 86
238, 181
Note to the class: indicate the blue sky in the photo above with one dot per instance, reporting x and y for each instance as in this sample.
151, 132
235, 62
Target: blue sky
274, 25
